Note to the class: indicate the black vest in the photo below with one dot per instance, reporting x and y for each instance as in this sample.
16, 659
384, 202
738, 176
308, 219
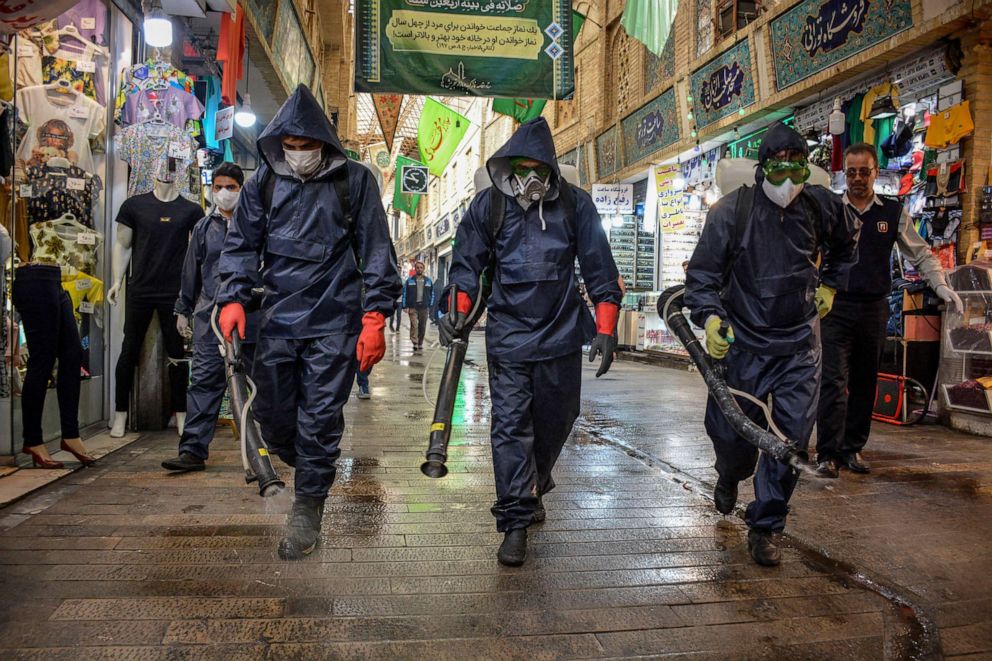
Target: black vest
871, 277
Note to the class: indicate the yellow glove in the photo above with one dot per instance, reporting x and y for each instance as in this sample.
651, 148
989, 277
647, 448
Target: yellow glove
716, 345
824, 300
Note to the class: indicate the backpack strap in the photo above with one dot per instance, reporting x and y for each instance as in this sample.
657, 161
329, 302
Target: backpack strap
742, 211
497, 210
267, 186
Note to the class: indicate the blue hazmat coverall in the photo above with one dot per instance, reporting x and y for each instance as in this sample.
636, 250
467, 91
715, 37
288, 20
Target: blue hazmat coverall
311, 312
766, 293
537, 319
196, 301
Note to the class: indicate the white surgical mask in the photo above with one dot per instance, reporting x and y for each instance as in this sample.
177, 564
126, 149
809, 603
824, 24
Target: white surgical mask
784, 194
304, 163
226, 199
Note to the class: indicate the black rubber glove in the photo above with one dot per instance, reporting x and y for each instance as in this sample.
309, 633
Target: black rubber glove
451, 326
605, 344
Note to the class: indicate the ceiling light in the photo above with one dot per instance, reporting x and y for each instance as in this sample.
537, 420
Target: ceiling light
157, 25
246, 116
883, 108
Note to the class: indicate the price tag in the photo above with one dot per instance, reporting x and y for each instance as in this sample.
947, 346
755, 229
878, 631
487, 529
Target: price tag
87, 23
78, 112
179, 150
86, 239
25, 190
75, 183
86, 307
83, 285
84, 66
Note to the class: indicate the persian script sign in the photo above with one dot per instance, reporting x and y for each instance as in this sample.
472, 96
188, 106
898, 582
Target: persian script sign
816, 34
651, 128
613, 199
723, 85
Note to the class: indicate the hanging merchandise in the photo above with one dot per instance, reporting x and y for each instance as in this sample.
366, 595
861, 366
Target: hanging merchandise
231, 51
949, 126
66, 242
60, 124
153, 74
58, 188
152, 147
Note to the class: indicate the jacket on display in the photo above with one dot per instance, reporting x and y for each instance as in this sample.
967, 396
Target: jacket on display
312, 280
766, 289
535, 309
201, 279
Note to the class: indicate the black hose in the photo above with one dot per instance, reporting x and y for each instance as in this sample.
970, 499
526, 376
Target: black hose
786, 451
437, 448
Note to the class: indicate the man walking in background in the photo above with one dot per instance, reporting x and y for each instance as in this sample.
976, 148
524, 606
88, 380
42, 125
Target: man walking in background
418, 299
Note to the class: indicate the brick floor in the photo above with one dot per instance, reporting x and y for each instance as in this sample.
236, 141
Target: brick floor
125, 561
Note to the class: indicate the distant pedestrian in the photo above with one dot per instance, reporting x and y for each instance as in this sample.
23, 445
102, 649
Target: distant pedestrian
362, 379
418, 299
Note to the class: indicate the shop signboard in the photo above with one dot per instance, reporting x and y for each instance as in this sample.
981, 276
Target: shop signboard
290, 47
613, 199
670, 199
816, 34
224, 123
607, 153
444, 226
723, 85
651, 128
494, 48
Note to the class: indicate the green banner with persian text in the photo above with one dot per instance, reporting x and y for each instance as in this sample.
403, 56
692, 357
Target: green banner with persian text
497, 48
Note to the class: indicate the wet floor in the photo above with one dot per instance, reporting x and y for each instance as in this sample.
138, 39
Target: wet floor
125, 561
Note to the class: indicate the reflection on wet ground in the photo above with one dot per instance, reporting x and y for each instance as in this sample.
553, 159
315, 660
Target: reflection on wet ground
127, 561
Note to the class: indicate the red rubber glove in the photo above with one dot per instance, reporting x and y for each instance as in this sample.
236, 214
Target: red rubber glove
232, 316
464, 304
372, 342
606, 318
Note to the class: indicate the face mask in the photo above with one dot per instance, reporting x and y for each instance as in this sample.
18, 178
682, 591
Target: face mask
304, 163
783, 194
225, 199
531, 187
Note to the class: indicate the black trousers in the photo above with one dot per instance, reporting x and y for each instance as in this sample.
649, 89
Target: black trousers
52, 334
137, 317
853, 335
396, 321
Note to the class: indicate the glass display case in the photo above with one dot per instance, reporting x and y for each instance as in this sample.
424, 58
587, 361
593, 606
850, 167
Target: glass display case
966, 342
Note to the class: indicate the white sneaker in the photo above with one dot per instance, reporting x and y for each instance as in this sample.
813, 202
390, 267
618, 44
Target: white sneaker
117, 429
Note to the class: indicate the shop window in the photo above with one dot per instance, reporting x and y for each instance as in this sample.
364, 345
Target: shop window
733, 15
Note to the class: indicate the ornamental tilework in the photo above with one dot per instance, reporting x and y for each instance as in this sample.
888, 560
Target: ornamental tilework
660, 70
651, 128
815, 34
607, 152
723, 85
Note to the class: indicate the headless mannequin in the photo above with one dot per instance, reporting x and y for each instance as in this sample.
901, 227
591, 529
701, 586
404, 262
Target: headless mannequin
165, 191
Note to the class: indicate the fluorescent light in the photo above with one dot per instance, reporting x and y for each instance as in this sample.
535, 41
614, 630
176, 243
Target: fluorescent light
157, 25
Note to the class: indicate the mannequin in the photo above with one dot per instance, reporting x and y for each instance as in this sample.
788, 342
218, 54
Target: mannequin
157, 225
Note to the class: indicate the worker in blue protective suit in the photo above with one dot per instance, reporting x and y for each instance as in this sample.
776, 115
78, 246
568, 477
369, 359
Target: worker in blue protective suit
753, 284
208, 380
537, 320
314, 222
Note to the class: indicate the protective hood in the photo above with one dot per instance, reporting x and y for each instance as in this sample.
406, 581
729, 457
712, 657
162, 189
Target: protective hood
532, 140
777, 138
302, 116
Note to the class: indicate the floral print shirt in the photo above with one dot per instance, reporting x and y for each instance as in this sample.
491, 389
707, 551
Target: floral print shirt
56, 191
145, 147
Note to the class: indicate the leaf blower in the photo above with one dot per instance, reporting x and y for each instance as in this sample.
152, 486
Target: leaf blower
773, 442
241, 390
444, 407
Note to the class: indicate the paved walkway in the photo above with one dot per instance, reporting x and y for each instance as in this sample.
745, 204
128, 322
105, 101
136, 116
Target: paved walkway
122, 560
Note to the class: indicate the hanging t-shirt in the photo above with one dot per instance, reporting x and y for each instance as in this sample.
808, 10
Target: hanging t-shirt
146, 148
855, 126
210, 113
27, 65
85, 69
53, 191
82, 287
89, 17
161, 236
231, 51
66, 242
163, 105
59, 125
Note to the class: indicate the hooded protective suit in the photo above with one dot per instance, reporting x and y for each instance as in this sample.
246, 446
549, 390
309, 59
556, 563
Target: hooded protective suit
312, 309
537, 320
196, 300
766, 292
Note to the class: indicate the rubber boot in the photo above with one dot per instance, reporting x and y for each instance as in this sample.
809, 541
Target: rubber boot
302, 528
725, 496
540, 514
513, 551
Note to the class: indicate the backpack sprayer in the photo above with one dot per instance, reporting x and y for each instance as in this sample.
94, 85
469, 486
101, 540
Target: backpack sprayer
254, 452
774, 442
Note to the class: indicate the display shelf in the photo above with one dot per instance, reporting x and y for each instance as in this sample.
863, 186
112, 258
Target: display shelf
949, 394
966, 343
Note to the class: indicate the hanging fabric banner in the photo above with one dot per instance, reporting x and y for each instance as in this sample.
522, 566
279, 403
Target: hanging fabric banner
438, 135
387, 109
465, 48
650, 22
405, 202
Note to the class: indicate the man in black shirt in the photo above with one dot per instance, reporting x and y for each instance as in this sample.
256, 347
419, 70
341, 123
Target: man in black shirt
152, 237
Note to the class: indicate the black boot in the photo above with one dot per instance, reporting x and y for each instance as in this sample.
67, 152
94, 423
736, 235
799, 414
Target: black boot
854, 463
302, 528
540, 514
184, 463
725, 496
762, 549
513, 551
